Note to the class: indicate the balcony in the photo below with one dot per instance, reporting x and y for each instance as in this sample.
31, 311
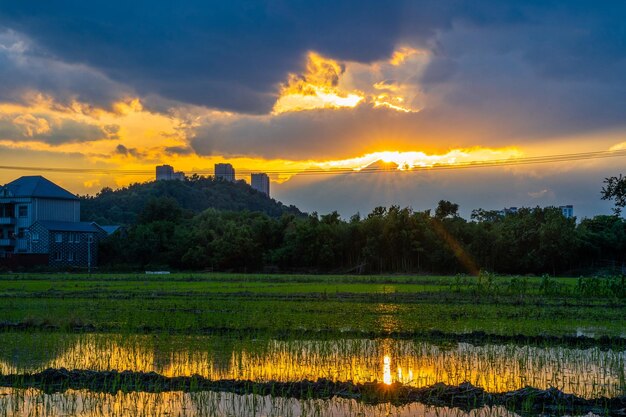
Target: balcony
7, 242
22, 244
7, 220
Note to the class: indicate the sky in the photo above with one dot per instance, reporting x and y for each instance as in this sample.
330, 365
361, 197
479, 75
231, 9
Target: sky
297, 87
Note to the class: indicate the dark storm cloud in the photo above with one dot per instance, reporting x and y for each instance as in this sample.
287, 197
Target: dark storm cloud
123, 150
504, 74
547, 67
178, 150
225, 54
24, 69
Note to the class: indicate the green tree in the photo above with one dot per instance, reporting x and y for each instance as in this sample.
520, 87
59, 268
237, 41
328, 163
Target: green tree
615, 189
446, 209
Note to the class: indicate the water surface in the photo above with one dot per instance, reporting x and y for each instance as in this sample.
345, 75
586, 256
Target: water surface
496, 368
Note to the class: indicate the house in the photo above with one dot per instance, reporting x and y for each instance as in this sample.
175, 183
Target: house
40, 224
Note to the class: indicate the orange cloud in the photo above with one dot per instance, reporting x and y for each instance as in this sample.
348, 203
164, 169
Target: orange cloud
402, 54
330, 84
32, 125
316, 88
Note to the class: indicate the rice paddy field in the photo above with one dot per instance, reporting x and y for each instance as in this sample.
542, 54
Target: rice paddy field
308, 345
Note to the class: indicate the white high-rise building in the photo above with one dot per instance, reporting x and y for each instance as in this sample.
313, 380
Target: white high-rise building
261, 182
225, 172
166, 173
568, 211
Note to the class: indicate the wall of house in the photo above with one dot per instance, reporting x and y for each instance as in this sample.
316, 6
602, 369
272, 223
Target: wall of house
69, 252
35, 209
39, 239
58, 210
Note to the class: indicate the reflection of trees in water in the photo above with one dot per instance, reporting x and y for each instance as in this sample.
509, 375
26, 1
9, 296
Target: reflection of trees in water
31, 402
496, 368
186, 355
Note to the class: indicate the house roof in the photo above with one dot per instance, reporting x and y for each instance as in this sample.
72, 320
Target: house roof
38, 186
110, 229
70, 226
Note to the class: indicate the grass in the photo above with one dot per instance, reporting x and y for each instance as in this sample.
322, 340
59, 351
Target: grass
200, 303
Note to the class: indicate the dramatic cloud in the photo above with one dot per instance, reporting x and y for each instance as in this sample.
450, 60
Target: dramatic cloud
178, 150
29, 74
22, 127
228, 55
123, 150
276, 85
317, 88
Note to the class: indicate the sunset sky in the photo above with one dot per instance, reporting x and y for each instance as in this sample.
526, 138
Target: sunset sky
291, 86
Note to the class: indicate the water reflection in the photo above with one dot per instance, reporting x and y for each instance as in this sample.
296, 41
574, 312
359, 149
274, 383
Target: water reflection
31, 402
387, 370
497, 368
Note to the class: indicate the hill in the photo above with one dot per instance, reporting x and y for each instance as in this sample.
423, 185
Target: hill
194, 194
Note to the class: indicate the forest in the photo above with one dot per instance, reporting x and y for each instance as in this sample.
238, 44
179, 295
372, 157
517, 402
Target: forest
387, 240
194, 195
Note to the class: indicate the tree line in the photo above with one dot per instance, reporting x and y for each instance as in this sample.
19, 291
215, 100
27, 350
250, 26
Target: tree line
387, 240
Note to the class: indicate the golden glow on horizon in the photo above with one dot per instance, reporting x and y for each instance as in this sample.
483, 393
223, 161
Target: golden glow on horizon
409, 160
618, 147
280, 170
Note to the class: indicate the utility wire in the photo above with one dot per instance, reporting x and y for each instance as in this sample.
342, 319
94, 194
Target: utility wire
335, 171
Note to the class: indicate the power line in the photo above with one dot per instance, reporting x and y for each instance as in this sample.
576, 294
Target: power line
335, 171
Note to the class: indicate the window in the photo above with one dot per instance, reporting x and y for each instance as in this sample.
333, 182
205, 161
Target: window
21, 233
71, 257
34, 236
58, 238
70, 238
22, 211
58, 256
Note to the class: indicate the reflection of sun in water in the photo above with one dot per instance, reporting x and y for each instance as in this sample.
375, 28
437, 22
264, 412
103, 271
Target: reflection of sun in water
388, 317
387, 370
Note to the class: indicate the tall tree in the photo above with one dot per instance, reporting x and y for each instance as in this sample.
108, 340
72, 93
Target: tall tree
615, 189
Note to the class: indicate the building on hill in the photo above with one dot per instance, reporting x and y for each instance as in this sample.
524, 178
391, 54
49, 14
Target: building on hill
40, 224
507, 211
568, 211
167, 173
225, 172
261, 183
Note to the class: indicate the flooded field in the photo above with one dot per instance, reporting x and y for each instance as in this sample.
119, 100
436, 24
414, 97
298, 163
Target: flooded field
252, 345
588, 373
20, 403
